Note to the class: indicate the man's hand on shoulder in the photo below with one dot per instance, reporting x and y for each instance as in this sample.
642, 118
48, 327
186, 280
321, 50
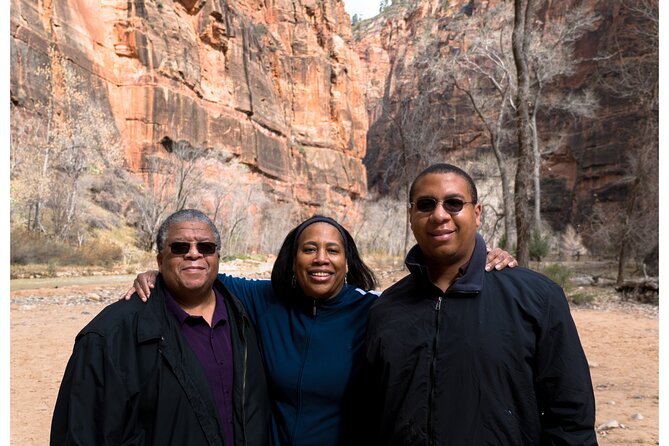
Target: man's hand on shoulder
499, 259
143, 284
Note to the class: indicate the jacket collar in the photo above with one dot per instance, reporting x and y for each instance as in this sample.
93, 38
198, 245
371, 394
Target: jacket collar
154, 318
470, 278
346, 296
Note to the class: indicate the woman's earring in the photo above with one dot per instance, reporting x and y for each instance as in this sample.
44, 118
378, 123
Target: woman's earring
294, 281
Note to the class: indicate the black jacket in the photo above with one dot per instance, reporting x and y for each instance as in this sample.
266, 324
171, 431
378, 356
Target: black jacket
132, 379
495, 360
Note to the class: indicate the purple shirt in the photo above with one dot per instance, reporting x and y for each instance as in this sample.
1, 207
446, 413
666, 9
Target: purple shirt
213, 347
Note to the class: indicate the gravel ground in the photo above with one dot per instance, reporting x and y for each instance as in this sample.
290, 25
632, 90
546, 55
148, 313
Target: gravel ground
621, 340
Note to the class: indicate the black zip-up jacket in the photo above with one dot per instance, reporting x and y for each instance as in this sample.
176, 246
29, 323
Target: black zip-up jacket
495, 360
132, 379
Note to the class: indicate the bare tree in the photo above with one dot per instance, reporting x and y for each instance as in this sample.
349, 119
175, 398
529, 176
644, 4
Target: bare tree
523, 15
233, 216
70, 136
382, 226
483, 71
484, 170
185, 168
571, 243
630, 73
639, 217
551, 57
32, 147
424, 148
152, 201
172, 181
415, 145
542, 54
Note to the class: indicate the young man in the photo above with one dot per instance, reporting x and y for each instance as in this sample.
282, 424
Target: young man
185, 368
457, 356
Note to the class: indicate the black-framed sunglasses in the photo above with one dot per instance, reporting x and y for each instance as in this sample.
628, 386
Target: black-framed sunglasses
429, 204
204, 248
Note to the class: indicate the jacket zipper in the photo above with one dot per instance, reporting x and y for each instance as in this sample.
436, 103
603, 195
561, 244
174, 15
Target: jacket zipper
433, 372
299, 382
244, 376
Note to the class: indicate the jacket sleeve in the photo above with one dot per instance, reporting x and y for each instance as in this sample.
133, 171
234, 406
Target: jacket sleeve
91, 404
564, 386
254, 294
369, 410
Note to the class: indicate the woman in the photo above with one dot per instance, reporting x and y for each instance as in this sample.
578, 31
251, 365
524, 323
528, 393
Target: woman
310, 319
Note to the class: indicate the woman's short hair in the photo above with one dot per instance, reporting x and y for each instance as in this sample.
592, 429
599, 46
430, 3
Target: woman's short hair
358, 273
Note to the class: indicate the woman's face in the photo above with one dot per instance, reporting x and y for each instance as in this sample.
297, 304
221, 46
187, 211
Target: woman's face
320, 262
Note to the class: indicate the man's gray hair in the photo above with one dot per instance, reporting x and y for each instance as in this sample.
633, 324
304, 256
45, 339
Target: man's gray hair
185, 215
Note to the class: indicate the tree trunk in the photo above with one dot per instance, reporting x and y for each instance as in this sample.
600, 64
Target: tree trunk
537, 172
37, 222
622, 259
520, 43
407, 223
536, 227
623, 249
507, 198
495, 136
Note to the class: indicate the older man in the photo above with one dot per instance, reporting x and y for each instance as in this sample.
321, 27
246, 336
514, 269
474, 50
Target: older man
185, 368
461, 357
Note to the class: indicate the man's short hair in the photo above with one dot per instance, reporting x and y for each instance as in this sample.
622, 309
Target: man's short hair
446, 168
185, 215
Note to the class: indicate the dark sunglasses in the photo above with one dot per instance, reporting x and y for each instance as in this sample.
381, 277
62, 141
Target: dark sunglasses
429, 204
204, 248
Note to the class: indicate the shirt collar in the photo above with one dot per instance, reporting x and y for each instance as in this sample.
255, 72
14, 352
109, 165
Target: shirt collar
220, 313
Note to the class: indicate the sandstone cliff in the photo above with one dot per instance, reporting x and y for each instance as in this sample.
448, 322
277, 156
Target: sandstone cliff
268, 85
285, 96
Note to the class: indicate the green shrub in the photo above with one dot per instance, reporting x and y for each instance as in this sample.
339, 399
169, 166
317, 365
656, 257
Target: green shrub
51, 269
539, 246
503, 242
581, 298
559, 274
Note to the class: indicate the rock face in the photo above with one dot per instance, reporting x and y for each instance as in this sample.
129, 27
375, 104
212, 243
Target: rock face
272, 85
288, 99
581, 175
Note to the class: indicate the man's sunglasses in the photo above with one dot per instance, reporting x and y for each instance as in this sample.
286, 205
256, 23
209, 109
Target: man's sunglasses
204, 248
429, 204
